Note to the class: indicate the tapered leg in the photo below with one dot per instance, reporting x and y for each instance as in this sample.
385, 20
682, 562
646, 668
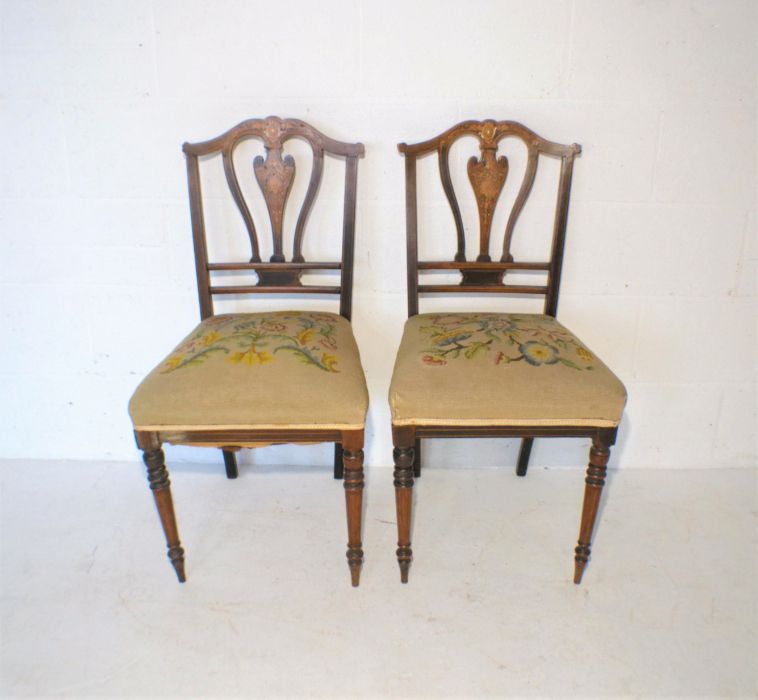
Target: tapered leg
157, 476
403, 455
230, 462
339, 469
523, 455
599, 454
417, 459
352, 458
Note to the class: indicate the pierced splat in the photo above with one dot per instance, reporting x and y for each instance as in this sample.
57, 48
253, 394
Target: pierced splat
487, 175
275, 177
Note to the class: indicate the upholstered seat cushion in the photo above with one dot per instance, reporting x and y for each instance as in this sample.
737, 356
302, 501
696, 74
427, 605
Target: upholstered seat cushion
288, 369
500, 369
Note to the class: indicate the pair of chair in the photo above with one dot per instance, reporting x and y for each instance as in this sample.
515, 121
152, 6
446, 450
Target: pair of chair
253, 379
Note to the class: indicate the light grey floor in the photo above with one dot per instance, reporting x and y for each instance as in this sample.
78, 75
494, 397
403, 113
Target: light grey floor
90, 606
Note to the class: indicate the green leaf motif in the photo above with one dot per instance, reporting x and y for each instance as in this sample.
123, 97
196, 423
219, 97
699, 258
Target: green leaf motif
197, 359
303, 355
476, 348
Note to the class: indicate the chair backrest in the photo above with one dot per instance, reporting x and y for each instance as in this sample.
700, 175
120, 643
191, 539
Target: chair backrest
487, 175
274, 175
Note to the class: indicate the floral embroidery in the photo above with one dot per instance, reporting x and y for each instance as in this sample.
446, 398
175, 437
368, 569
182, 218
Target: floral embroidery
251, 357
210, 338
506, 338
536, 353
329, 361
256, 340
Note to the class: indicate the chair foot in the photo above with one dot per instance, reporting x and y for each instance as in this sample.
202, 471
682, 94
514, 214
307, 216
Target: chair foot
523, 456
230, 462
157, 476
404, 558
403, 455
176, 556
339, 467
352, 458
581, 557
355, 562
594, 482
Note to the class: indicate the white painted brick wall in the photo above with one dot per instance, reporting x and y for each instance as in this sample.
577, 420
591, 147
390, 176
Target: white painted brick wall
97, 278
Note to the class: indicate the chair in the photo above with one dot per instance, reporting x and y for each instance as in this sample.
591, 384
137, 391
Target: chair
495, 374
254, 379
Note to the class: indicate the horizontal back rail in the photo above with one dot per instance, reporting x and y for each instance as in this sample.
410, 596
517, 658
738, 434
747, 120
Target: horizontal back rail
277, 289
447, 265
213, 267
482, 289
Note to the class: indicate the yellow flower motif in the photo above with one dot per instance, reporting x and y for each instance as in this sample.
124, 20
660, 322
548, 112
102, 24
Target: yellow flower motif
304, 336
329, 361
210, 338
307, 334
251, 357
584, 354
238, 357
174, 362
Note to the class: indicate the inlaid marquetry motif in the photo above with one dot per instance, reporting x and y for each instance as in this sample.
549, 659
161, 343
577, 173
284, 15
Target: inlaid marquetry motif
487, 175
275, 177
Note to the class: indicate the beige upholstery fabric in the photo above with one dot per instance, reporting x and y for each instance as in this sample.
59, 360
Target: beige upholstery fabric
288, 369
500, 369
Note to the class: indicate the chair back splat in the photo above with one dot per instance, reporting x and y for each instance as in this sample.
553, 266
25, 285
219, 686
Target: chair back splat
487, 175
275, 174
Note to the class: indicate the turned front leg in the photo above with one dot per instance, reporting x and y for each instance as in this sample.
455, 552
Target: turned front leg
403, 455
157, 476
594, 481
352, 458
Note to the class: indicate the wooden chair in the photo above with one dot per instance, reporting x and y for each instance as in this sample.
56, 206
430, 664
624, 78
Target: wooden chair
495, 374
253, 379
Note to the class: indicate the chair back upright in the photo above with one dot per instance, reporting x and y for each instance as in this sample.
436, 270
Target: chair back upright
487, 175
275, 174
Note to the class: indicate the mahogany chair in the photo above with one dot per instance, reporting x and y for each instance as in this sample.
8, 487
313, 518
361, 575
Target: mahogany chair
254, 379
496, 374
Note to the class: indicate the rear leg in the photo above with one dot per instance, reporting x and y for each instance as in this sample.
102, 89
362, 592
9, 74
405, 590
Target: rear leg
230, 462
339, 467
523, 456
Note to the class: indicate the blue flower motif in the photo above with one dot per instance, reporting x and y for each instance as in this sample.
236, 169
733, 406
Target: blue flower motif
536, 353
